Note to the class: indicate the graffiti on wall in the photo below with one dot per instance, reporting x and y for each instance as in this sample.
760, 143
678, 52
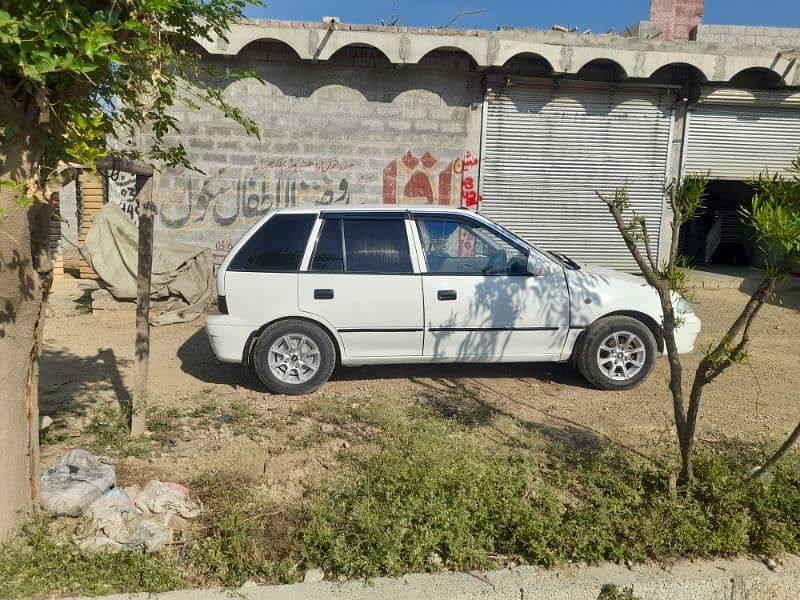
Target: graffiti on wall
122, 191
225, 201
214, 210
469, 190
428, 180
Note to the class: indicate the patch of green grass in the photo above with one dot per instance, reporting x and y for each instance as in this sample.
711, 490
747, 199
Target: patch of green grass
204, 410
162, 420
427, 493
242, 536
432, 489
612, 592
36, 565
111, 435
50, 437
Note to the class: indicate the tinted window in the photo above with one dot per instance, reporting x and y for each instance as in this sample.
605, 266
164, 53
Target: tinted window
277, 247
376, 246
328, 255
457, 246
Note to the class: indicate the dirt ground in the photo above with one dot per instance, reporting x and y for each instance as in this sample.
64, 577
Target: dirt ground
210, 417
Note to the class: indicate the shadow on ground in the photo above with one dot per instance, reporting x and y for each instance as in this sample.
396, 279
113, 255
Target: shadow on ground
72, 384
198, 360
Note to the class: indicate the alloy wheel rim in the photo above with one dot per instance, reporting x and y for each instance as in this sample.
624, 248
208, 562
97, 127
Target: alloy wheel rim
294, 358
621, 356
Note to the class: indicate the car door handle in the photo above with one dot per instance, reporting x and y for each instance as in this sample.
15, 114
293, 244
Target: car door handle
447, 295
323, 294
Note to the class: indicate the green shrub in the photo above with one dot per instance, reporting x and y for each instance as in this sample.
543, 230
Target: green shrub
37, 565
425, 494
430, 491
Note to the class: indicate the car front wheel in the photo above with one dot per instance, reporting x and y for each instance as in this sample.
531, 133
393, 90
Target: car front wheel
617, 353
293, 357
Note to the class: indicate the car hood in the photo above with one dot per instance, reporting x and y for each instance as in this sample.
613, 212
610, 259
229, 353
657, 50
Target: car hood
598, 291
611, 275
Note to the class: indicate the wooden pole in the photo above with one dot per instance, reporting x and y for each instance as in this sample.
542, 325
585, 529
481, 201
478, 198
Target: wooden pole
144, 184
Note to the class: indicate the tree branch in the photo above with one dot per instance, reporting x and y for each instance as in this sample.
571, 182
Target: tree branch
649, 274
767, 466
676, 226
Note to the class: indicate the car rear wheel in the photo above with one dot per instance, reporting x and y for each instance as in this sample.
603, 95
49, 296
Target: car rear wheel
617, 353
293, 357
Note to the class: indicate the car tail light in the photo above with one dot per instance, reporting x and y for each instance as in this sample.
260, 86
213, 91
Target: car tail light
222, 304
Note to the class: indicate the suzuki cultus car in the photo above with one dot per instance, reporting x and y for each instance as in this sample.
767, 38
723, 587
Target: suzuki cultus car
307, 289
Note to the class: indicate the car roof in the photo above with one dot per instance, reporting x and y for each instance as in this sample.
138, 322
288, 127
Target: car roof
371, 208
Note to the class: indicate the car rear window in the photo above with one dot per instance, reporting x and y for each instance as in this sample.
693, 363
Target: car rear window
277, 247
376, 246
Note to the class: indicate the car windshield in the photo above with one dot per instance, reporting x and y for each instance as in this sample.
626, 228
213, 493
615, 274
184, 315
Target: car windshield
559, 257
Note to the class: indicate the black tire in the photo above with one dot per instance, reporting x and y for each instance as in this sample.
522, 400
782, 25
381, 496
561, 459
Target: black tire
587, 356
293, 327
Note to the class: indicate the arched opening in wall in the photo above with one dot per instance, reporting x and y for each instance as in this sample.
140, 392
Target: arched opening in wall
757, 78
359, 55
445, 58
190, 47
268, 50
678, 74
601, 69
717, 235
528, 64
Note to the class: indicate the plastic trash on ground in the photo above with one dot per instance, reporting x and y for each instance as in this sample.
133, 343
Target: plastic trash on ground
158, 498
75, 482
114, 523
116, 519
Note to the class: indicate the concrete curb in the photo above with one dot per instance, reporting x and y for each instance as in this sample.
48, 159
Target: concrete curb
738, 579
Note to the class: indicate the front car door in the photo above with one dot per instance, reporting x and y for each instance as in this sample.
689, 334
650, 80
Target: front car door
481, 303
364, 281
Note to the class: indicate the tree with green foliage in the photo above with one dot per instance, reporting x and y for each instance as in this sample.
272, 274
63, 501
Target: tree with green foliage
774, 219
73, 74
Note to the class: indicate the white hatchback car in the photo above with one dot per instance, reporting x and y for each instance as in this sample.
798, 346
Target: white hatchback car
306, 289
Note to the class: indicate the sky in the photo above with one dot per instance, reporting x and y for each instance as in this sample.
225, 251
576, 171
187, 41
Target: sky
597, 15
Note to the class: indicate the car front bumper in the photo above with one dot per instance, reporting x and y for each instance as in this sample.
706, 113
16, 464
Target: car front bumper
227, 340
686, 334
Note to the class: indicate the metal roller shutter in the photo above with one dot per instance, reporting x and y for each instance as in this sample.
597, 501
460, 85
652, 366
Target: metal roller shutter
735, 134
548, 147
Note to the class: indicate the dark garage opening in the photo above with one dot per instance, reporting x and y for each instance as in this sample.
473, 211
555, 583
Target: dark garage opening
717, 236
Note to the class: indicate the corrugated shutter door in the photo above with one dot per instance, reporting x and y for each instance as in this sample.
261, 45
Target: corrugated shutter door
734, 135
547, 149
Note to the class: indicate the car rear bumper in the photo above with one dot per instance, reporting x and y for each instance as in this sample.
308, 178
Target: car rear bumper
227, 340
686, 334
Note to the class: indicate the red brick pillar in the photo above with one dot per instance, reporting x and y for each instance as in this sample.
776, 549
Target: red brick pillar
677, 19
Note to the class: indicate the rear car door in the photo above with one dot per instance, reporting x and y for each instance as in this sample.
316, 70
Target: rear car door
480, 301
363, 280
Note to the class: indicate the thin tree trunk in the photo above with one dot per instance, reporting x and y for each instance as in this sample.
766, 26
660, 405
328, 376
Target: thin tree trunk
145, 269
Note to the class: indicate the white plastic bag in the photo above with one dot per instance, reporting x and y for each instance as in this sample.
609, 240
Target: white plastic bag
115, 524
75, 482
164, 498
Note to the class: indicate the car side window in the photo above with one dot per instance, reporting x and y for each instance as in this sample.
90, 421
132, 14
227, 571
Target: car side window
376, 246
328, 255
459, 247
277, 247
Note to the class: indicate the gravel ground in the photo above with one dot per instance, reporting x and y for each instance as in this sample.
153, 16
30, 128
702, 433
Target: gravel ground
217, 417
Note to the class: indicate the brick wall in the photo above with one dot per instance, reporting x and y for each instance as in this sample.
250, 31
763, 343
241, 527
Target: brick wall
771, 37
353, 130
676, 19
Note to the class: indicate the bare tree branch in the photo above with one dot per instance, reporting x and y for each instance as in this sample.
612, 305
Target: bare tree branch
649, 274
785, 447
676, 226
